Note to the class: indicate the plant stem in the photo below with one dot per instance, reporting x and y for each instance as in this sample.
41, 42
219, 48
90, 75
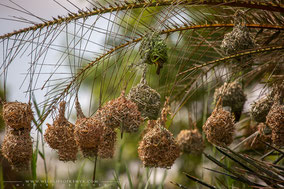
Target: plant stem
95, 167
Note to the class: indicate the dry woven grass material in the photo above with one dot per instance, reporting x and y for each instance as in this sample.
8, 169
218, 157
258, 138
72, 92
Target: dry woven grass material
260, 108
17, 115
60, 136
190, 141
147, 99
89, 152
232, 95
219, 127
239, 39
87, 130
122, 113
275, 120
106, 148
264, 135
153, 50
158, 148
17, 148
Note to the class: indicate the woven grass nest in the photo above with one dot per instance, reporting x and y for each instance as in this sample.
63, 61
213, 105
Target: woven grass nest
232, 95
60, 136
17, 148
87, 132
158, 147
122, 113
147, 99
17, 115
219, 127
260, 108
106, 148
275, 120
190, 141
153, 50
264, 135
239, 39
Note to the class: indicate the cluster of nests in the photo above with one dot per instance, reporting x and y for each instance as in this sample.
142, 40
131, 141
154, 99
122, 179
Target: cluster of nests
17, 146
96, 135
219, 127
269, 110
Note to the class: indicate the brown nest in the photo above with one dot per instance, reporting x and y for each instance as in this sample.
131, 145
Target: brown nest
107, 143
239, 39
190, 141
232, 95
87, 130
60, 136
219, 127
260, 108
89, 152
275, 120
122, 112
264, 135
17, 115
17, 148
147, 99
158, 148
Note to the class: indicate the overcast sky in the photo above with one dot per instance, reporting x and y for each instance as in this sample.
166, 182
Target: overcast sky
42, 8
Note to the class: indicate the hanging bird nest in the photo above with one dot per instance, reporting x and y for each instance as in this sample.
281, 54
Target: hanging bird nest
107, 143
158, 148
87, 131
60, 136
153, 50
17, 115
239, 39
147, 99
275, 120
122, 112
190, 141
219, 127
260, 108
232, 95
17, 148
256, 143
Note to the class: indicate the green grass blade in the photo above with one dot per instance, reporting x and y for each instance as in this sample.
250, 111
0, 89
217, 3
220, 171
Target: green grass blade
80, 175
1, 177
116, 179
129, 177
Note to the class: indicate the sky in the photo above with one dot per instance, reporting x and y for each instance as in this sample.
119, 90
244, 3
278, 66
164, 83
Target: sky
41, 8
